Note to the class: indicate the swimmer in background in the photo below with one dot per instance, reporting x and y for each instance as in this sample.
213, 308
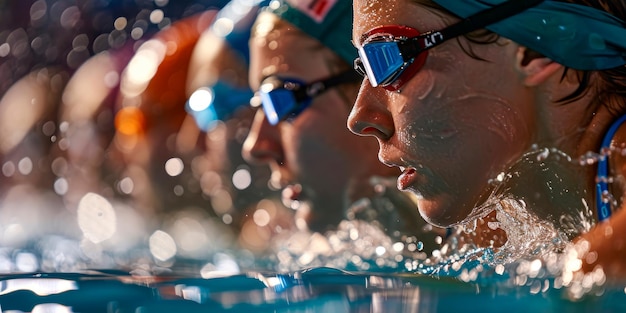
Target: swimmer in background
301, 71
219, 104
28, 202
504, 126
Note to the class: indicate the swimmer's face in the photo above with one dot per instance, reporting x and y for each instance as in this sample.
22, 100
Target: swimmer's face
455, 124
315, 149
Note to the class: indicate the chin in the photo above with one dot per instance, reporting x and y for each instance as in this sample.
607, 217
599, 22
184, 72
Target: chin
442, 212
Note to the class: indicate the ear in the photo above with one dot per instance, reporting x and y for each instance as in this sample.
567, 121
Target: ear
535, 68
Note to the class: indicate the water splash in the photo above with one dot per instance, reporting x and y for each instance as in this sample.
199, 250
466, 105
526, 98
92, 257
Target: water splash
545, 182
527, 235
537, 254
354, 245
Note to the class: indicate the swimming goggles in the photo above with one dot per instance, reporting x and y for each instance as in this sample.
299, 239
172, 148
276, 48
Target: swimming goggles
391, 55
285, 98
219, 102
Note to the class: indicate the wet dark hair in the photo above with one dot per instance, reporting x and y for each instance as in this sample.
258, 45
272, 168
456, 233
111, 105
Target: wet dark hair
480, 36
609, 85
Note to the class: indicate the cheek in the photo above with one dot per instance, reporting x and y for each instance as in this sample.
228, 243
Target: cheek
458, 119
317, 145
466, 141
501, 122
453, 103
464, 146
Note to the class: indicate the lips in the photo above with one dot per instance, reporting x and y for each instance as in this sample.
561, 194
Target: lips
407, 178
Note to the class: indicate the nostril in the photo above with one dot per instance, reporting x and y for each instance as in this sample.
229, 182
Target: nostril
368, 129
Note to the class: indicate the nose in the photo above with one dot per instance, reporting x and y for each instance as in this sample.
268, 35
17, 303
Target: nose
370, 115
263, 144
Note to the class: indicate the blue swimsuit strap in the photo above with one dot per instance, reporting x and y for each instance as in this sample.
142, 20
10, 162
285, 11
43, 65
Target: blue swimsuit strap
602, 187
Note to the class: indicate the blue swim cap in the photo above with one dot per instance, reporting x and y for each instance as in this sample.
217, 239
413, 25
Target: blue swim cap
234, 23
215, 103
329, 21
576, 36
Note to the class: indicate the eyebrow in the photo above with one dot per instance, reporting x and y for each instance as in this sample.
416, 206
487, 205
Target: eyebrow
362, 38
426, 4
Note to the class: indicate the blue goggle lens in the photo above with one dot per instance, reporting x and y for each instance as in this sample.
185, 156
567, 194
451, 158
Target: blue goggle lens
208, 105
286, 98
278, 104
381, 60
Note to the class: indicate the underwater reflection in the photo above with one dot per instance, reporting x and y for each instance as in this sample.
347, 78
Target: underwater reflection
313, 290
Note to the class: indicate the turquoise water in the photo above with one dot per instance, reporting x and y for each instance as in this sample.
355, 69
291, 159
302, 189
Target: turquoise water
313, 290
46, 273
191, 261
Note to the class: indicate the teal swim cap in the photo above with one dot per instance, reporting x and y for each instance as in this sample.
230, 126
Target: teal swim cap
329, 21
577, 36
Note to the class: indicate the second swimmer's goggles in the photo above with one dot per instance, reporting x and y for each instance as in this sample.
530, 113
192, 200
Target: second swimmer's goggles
390, 55
284, 98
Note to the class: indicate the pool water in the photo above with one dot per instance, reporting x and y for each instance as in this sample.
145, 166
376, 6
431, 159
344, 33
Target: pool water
313, 290
57, 273
105, 258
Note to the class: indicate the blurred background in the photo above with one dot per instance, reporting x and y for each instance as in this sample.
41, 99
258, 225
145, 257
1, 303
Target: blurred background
102, 166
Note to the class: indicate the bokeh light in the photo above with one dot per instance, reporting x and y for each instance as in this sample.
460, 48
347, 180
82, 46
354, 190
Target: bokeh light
162, 246
174, 166
96, 218
242, 179
201, 99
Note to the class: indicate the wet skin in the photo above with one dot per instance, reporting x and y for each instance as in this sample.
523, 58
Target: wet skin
452, 127
522, 94
314, 150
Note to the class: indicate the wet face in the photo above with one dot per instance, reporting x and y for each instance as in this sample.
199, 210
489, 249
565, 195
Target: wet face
315, 149
454, 125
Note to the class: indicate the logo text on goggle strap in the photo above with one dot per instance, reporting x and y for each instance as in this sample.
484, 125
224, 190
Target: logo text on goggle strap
432, 39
